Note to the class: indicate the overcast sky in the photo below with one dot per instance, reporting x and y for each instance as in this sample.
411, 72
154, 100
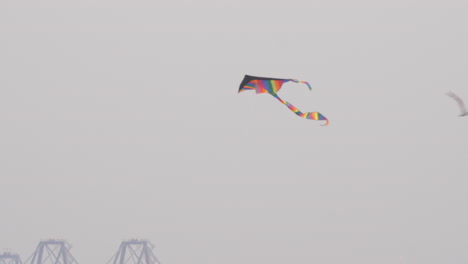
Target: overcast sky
121, 119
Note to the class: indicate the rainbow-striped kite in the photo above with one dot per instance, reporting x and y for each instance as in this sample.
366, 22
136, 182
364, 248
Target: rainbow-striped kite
272, 86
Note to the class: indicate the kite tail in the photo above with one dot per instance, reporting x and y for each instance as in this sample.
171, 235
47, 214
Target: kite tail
308, 115
296, 81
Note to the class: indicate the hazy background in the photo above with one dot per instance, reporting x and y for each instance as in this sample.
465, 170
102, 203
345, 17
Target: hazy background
121, 119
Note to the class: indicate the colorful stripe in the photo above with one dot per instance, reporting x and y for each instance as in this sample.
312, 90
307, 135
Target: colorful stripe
264, 86
308, 115
269, 86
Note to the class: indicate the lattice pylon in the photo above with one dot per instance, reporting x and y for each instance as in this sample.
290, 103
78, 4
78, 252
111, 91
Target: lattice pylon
52, 252
10, 258
134, 252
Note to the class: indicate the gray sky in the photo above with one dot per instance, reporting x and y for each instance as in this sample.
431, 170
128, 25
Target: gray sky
121, 119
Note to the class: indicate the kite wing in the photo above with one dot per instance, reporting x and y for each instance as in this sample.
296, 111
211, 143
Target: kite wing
459, 102
261, 85
265, 85
272, 86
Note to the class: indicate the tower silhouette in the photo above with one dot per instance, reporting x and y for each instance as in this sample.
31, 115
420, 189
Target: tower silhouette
52, 252
134, 252
10, 258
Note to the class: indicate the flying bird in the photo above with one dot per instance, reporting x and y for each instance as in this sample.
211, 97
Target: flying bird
272, 86
459, 102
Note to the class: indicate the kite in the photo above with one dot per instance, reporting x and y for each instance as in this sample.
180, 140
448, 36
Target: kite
460, 103
272, 86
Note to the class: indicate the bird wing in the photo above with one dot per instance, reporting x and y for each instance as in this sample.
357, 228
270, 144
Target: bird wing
459, 102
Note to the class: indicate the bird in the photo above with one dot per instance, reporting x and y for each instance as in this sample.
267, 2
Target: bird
459, 102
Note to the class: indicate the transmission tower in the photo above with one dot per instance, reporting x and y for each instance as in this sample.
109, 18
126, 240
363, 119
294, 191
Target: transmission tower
10, 258
52, 252
134, 252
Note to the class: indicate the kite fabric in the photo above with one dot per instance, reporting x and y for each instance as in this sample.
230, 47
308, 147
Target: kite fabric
272, 86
